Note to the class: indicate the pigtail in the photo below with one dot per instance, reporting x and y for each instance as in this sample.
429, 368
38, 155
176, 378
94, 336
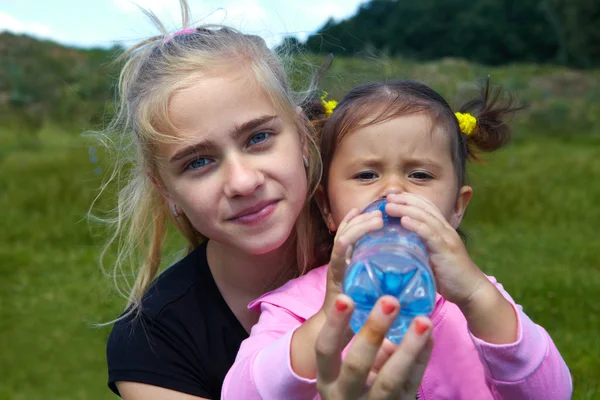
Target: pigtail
315, 109
493, 109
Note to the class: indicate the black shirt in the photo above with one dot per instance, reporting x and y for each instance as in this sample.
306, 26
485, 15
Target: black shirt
186, 337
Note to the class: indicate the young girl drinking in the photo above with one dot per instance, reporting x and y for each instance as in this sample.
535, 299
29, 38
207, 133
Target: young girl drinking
400, 140
210, 138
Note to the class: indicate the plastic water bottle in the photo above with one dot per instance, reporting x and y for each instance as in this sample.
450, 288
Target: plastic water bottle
391, 261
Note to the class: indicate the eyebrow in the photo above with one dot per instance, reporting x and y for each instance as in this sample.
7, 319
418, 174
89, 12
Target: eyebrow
374, 162
235, 133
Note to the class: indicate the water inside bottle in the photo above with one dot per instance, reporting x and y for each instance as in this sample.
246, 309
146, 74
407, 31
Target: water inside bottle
391, 261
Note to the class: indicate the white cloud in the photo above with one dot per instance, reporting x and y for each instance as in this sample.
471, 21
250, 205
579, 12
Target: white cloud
12, 24
247, 15
271, 19
157, 6
302, 18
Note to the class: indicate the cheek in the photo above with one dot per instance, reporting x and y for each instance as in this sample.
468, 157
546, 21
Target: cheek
446, 201
339, 202
287, 165
199, 201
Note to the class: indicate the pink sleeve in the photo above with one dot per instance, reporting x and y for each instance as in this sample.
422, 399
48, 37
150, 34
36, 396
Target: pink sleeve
262, 368
530, 368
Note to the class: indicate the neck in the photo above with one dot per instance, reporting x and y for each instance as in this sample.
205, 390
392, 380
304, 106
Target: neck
251, 275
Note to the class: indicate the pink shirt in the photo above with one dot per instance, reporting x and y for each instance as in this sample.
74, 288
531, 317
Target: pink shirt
461, 365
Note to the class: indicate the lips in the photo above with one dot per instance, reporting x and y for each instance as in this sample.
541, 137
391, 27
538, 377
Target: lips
255, 212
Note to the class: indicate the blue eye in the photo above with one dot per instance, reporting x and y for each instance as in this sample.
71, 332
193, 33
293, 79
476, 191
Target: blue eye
365, 176
198, 163
259, 138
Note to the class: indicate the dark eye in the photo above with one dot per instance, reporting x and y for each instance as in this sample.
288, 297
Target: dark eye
198, 163
421, 175
259, 138
366, 176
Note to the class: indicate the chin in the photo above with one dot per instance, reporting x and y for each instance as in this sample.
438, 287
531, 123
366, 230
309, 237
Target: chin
265, 243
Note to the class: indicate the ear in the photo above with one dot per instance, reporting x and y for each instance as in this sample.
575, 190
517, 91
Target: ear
156, 182
303, 139
324, 208
462, 201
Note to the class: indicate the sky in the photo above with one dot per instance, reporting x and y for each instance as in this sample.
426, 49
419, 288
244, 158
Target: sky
87, 23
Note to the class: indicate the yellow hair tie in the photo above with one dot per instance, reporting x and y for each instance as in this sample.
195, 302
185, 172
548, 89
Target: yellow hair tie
329, 105
466, 122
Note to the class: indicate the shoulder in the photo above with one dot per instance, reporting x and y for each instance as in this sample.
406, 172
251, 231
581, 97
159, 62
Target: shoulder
183, 338
164, 304
302, 296
175, 283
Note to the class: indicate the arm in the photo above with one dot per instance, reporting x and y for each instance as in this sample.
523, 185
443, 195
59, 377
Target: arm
262, 369
529, 367
278, 360
141, 391
518, 356
353, 227
146, 353
490, 315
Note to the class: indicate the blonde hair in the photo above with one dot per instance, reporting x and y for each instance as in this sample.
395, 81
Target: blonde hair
154, 69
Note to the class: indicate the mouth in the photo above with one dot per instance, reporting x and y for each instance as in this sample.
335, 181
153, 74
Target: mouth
255, 213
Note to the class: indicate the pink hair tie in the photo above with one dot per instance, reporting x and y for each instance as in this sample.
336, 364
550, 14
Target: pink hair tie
184, 31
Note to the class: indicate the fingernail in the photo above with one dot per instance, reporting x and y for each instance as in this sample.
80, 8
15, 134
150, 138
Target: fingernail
387, 307
340, 306
421, 327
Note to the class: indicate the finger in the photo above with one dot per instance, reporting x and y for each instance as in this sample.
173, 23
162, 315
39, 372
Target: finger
350, 225
410, 199
359, 218
416, 374
435, 243
345, 241
357, 228
370, 379
417, 212
402, 373
433, 230
363, 351
331, 340
351, 214
385, 352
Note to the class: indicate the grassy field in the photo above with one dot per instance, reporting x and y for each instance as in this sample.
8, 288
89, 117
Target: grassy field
533, 223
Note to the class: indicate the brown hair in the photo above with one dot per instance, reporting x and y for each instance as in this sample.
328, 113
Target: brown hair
375, 102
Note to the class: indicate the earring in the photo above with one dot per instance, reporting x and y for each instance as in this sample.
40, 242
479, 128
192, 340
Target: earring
305, 160
174, 210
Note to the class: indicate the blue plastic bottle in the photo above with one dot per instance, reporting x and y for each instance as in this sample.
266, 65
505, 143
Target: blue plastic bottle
390, 261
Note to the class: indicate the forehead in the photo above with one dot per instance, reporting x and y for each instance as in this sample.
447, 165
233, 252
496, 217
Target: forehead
215, 102
415, 134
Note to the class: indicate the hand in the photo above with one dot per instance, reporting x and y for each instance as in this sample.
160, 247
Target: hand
458, 278
489, 315
352, 228
395, 373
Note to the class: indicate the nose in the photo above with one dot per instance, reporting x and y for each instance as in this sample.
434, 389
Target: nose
242, 178
392, 185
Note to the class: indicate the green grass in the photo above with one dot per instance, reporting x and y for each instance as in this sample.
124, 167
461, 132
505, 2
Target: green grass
533, 224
